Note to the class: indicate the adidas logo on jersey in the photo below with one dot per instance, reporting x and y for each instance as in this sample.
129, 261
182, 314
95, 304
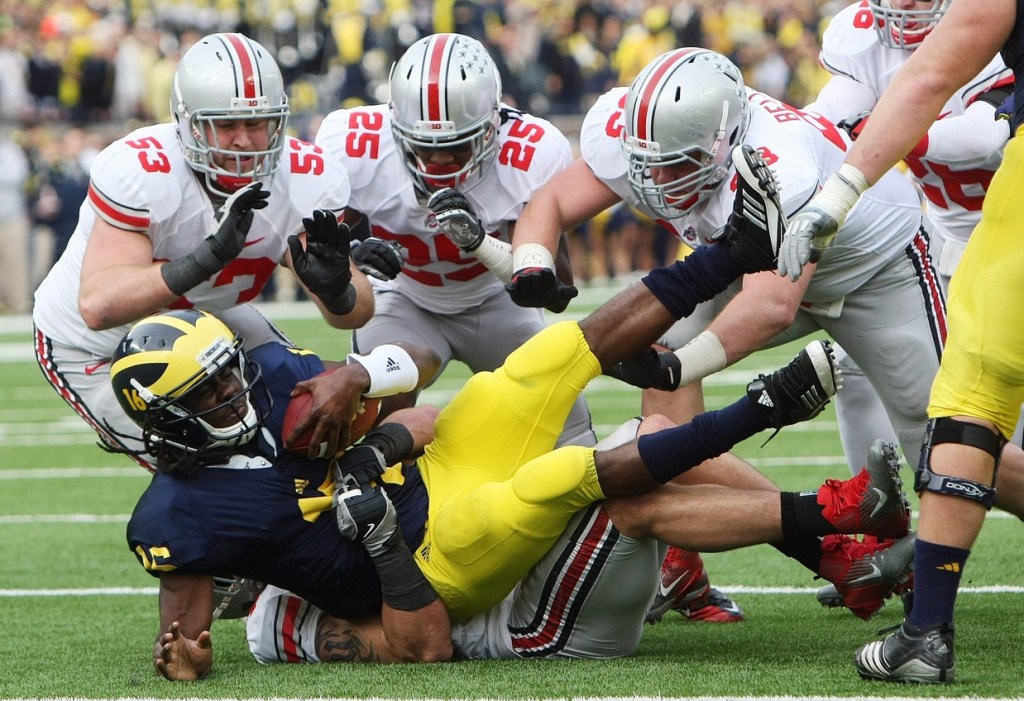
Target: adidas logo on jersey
392, 365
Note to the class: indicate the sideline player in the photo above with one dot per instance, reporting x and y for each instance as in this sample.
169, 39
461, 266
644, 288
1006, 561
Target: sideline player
977, 395
664, 145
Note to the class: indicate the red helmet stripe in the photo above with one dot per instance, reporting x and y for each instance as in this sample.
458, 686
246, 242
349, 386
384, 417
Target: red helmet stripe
436, 63
650, 91
243, 65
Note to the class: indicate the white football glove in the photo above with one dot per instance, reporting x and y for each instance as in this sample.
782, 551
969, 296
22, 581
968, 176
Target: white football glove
813, 229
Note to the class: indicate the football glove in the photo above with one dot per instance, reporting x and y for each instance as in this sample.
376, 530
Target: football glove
814, 227
456, 218
540, 287
323, 265
363, 510
222, 245
854, 124
378, 258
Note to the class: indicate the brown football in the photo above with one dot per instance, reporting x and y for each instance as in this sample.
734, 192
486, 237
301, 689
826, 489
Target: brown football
299, 408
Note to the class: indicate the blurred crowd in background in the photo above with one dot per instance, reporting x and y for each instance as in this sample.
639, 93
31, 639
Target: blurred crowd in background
78, 74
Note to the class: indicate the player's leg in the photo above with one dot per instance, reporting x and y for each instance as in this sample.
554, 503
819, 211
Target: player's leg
588, 595
975, 404
893, 327
83, 381
860, 413
484, 335
482, 541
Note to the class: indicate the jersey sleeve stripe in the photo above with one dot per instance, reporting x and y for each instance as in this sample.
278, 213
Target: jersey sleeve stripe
118, 215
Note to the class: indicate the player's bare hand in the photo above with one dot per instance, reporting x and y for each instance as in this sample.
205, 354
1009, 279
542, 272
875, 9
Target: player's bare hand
336, 398
178, 658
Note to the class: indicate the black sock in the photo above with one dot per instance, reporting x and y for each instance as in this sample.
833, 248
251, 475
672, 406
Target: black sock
808, 514
671, 452
805, 549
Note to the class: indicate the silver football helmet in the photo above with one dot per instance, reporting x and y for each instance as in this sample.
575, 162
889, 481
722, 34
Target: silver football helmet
225, 78
684, 114
905, 29
444, 95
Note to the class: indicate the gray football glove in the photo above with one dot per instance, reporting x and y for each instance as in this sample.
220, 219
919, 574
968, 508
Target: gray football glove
809, 233
456, 218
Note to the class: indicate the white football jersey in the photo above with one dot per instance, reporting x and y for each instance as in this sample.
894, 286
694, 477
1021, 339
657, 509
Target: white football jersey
437, 274
803, 150
143, 185
957, 166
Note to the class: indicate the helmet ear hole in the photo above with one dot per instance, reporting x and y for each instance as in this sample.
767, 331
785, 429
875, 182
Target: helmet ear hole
445, 94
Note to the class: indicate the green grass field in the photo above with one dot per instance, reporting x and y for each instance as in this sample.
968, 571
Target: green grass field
78, 614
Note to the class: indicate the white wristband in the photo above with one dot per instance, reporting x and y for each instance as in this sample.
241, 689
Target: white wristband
391, 370
532, 255
700, 357
841, 191
496, 255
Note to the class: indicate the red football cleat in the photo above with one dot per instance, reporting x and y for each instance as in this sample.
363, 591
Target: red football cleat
684, 588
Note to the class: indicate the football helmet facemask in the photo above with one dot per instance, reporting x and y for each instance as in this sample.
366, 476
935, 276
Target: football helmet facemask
685, 112
905, 29
445, 91
221, 80
163, 362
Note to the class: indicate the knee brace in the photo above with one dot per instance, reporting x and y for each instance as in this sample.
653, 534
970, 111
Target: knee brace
946, 430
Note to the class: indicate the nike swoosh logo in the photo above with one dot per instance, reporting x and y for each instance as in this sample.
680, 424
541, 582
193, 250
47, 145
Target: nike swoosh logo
667, 591
883, 498
253, 242
875, 573
95, 367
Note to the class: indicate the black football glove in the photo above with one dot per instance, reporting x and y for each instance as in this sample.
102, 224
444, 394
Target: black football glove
649, 369
378, 258
456, 218
323, 265
222, 245
540, 287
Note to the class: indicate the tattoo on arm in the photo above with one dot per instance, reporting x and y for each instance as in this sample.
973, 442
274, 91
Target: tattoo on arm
339, 641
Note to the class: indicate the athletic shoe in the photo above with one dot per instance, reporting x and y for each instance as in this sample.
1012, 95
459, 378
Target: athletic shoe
757, 223
866, 574
714, 607
649, 369
910, 655
234, 596
873, 501
800, 390
684, 587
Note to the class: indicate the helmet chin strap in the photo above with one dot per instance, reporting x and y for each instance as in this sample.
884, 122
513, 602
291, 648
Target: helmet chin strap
237, 433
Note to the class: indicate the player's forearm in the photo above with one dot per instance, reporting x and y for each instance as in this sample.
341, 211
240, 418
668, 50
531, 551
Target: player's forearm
423, 635
361, 312
122, 294
966, 39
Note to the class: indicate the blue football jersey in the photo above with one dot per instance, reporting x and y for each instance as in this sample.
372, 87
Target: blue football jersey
265, 514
